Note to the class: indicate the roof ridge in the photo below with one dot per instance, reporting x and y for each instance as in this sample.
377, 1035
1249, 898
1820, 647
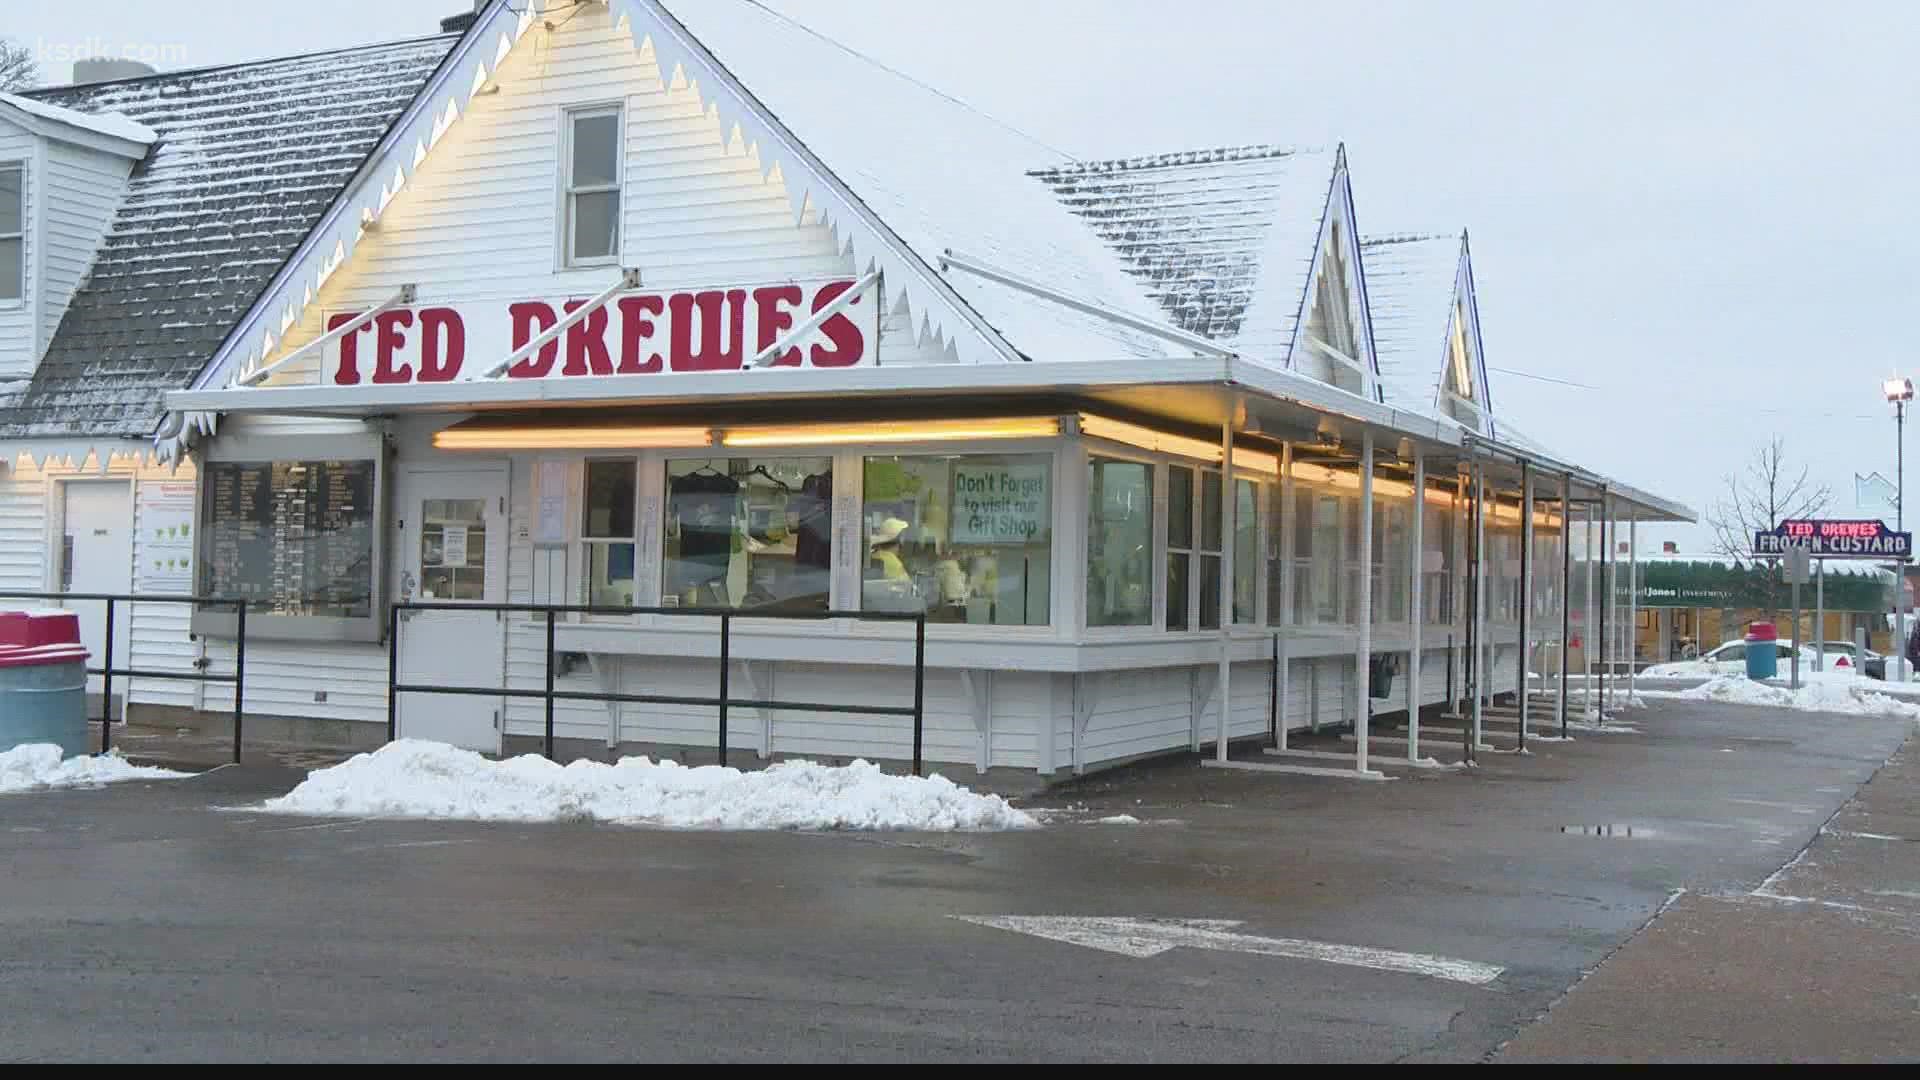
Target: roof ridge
1384, 239
1173, 159
69, 88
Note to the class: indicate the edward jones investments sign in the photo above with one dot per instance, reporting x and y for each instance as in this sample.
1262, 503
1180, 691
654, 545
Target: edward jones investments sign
638, 333
1862, 539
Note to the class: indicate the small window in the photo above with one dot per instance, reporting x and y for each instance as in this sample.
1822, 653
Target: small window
1119, 543
592, 162
608, 532
1179, 545
745, 533
13, 241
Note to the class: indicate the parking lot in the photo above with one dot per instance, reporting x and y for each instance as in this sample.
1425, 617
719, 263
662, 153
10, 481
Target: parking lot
1245, 917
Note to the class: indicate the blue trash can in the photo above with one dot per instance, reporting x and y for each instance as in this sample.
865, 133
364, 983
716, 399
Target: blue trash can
43, 681
1763, 651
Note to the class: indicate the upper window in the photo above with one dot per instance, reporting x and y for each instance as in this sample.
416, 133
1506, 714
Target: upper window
592, 182
13, 243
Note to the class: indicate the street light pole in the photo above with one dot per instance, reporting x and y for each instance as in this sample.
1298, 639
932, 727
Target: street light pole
1899, 391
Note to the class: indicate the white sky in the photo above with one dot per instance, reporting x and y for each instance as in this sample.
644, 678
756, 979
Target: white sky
1705, 212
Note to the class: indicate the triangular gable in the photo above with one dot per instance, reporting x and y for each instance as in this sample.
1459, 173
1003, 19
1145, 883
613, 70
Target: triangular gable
817, 194
1311, 313
1464, 394
1421, 288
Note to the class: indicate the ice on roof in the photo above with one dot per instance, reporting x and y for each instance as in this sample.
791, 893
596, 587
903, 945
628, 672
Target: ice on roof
115, 124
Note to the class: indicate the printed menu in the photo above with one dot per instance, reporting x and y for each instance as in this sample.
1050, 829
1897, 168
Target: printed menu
291, 537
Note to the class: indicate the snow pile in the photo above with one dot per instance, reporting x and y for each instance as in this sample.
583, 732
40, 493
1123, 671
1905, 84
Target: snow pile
1118, 819
37, 765
1831, 694
420, 779
1682, 669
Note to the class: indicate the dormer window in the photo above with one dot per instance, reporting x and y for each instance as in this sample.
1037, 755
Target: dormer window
591, 183
13, 226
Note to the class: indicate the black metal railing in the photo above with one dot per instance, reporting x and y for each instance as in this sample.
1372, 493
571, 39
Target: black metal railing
107, 671
723, 701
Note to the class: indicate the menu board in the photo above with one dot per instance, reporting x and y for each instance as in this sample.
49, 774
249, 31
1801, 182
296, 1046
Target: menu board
290, 537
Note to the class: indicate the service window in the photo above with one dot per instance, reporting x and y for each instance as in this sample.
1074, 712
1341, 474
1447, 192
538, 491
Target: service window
1180, 537
1246, 550
1119, 543
607, 533
13, 232
749, 532
1211, 535
966, 538
592, 183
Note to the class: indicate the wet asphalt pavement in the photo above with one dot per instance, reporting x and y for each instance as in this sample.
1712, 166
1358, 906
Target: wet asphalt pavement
167, 921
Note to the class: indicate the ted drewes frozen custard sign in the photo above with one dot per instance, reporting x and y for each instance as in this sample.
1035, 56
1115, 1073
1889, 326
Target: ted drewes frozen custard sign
1856, 539
999, 504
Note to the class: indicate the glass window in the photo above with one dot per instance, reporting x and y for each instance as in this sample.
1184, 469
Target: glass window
1119, 543
608, 532
1179, 544
749, 533
453, 549
13, 214
1278, 518
593, 185
1390, 566
966, 538
1246, 550
1436, 587
1209, 555
1324, 564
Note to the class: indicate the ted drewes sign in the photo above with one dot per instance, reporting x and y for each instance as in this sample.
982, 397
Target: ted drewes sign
1855, 539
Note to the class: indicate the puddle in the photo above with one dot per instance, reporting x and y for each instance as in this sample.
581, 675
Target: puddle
1618, 832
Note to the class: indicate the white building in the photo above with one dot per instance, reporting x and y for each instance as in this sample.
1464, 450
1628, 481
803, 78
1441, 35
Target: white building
630, 308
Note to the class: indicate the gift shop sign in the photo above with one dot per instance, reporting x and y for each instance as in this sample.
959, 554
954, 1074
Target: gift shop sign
637, 333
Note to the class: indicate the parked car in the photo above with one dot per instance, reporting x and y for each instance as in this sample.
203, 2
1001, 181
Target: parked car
1731, 657
1872, 665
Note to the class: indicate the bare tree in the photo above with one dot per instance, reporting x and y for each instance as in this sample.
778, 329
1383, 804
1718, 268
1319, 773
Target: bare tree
1765, 492
18, 70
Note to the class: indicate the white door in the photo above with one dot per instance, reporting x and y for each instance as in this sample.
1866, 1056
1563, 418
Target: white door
96, 556
451, 547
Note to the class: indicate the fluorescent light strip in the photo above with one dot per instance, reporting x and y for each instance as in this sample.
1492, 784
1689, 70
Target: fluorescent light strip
894, 431
1146, 438
571, 438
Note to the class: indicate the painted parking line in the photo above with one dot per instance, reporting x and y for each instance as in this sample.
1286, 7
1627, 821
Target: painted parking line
1150, 937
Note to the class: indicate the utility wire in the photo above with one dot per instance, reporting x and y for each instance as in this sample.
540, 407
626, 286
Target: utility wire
897, 73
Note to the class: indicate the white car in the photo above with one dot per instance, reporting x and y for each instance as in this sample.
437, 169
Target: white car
1731, 658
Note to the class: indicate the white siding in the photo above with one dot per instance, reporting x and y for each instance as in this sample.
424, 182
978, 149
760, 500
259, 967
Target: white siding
480, 219
18, 352
23, 526
83, 191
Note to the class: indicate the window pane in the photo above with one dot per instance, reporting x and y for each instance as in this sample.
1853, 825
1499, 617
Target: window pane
1246, 551
749, 533
12, 273
1119, 543
1210, 525
12, 200
596, 218
453, 549
964, 538
1277, 521
609, 499
610, 578
1179, 507
1209, 592
596, 145
1327, 561
1177, 590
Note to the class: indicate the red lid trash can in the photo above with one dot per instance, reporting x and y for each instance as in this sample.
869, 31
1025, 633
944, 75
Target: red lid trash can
1763, 650
43, 681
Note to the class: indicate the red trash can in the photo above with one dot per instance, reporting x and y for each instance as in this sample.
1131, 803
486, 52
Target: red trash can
1763, 651
43, 681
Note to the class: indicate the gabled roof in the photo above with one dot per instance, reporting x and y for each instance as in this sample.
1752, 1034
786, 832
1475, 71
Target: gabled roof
111, 125
248, 158
1204, 231
1414, 280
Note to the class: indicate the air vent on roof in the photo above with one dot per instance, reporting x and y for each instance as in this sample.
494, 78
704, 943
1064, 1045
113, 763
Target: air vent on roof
96, 69
457, 24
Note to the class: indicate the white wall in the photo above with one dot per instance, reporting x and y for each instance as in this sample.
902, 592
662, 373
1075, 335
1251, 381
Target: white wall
18, 352
83, 192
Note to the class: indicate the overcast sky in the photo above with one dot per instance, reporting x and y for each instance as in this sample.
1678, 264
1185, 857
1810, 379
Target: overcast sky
1705, 212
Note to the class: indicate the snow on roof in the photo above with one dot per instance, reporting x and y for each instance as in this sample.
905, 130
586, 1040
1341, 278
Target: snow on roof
248, 157
113, 124
939, 174
1206, 231
1410, 282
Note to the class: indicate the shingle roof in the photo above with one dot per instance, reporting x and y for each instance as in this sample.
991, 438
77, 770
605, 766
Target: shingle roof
1410, 283
248, 158
1205, 232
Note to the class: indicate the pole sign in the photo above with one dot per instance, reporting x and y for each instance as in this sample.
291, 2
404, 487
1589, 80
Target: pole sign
1825, 538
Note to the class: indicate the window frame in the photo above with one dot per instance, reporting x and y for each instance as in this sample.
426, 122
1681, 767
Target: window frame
1102, 452
18, 165
588, 539
568, 191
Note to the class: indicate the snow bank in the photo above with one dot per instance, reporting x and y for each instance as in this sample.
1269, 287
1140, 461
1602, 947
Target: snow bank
1681, 669
34, 766
1829, 693
420, 779
1118, 819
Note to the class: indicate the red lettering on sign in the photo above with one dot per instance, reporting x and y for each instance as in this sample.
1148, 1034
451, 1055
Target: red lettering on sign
387, 340
528, 314
636, 327
349, 373
443, 344
723, 318
849, 343
587, 342
776, 305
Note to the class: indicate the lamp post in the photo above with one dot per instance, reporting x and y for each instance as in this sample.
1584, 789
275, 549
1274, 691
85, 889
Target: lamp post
1899, 391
